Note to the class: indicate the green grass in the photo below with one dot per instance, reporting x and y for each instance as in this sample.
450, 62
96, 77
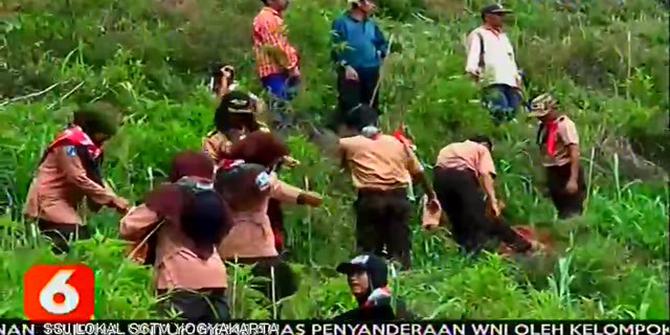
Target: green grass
611, 263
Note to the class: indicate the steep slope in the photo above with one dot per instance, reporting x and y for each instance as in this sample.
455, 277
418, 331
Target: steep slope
608, 63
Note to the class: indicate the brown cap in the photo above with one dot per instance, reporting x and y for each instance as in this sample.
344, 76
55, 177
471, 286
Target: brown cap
541, 105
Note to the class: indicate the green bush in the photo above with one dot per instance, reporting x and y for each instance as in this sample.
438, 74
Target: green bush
152, 59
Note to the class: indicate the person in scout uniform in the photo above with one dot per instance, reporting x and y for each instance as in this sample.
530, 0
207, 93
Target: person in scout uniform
68, 172
247, 181
462, 171
178, 229
381, 168
236, 116
559, 141
367, 275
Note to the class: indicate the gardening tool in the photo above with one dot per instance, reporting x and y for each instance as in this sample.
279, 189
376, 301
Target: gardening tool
142, 253
401, 135
381, 72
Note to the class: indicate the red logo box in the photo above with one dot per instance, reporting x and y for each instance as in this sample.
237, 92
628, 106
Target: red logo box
59, 293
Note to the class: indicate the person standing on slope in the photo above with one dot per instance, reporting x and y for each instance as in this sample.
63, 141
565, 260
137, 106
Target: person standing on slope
359, 47
462, 171
367, 275
491, 61
247, 181
68, 172
381, 168
559, 141
277, 61
178, 229
235, 117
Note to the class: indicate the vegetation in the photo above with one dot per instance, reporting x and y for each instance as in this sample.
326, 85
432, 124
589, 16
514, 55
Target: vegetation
607, 62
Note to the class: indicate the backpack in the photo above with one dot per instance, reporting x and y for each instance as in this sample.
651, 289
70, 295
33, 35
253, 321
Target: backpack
481, 51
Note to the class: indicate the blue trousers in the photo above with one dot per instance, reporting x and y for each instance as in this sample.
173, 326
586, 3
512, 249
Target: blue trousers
502, 101
282, 89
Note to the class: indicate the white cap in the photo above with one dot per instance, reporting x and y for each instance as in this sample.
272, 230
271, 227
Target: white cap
353, 1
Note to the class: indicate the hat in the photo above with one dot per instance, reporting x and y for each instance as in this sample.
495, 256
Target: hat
541, 105
238, 102
495, 9
361, 116
374, 265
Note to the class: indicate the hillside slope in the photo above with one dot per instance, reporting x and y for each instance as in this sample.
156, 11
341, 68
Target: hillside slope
607, 63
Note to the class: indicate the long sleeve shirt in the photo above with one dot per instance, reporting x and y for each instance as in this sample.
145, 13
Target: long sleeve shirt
60, 186
176, 266
499, 64
274, 53
360, 44
252, 235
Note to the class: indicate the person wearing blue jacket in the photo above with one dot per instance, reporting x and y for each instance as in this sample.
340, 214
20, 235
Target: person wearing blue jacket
359, 47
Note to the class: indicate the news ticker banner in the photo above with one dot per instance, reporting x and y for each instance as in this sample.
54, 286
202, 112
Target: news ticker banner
147, 327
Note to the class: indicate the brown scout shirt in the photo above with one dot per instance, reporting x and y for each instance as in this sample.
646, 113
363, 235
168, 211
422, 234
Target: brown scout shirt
467, 155
251, 235
177, 267
567, 135
216, 144
383, 163
59, 187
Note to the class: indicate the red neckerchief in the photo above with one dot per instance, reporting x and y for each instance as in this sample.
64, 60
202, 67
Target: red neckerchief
228, 164
552, 136
75, 136
399, 134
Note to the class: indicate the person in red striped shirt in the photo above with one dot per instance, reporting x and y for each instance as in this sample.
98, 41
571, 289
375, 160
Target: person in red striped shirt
277, 61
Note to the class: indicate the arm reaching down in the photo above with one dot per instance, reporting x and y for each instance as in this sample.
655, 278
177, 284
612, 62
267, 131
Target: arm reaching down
417, 172
138, 223
572, 186
473, 62
486, 181
71, 165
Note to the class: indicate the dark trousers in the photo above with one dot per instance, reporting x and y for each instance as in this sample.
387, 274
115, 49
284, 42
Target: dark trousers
351, 92
461, 198
382, 220
502, 101
568, 205
60, 234
200, 306
286, 283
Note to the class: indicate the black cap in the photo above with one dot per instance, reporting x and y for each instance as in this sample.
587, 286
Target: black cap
495, 9
362, 116
375, 267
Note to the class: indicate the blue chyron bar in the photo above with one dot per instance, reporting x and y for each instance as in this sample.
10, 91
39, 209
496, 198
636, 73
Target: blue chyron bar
158, 327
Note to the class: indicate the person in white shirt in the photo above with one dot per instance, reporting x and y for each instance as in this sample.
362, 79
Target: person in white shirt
490, 61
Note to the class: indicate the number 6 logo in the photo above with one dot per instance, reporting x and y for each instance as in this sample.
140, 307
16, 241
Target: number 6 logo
59, 293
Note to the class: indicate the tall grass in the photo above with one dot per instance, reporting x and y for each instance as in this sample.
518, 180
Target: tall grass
152, 60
